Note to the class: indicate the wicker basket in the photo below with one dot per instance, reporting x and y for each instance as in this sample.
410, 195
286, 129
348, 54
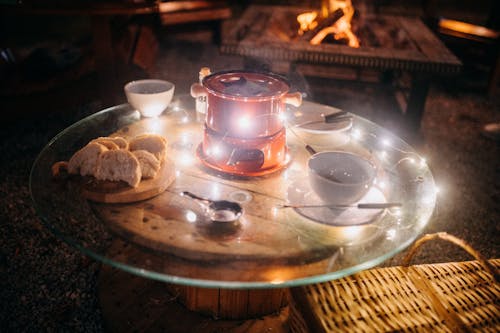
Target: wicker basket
448, 297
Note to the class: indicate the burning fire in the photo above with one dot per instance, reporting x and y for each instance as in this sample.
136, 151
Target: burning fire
307, 22
340, 29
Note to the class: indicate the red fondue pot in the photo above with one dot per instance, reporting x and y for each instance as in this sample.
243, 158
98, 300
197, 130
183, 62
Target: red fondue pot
245, 104
244, 132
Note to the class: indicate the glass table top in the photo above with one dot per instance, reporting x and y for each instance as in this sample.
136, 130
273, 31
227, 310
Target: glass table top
169, 237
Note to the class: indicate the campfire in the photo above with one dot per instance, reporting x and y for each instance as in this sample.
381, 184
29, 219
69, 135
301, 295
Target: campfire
335, 20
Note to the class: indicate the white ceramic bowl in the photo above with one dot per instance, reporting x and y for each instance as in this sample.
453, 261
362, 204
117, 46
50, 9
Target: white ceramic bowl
340, 177
308, 124
151, 97
323, 134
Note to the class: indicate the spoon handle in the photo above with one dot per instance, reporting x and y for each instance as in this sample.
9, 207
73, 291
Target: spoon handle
194, 196
329, 118
311, 150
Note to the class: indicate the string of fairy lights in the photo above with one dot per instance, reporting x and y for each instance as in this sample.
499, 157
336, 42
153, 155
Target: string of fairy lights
388, 150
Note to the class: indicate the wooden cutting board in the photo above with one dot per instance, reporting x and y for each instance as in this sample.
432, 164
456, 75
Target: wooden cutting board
120, 192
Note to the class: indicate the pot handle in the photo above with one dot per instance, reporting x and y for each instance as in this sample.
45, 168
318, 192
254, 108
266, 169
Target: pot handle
294, 99
197, 90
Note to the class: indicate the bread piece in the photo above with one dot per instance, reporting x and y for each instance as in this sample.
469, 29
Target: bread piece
58, 166
112, 142
149, 163
84, 161
153, 143
107, 143
121, 142
116, 165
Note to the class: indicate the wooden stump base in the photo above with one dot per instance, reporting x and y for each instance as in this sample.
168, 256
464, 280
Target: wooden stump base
130, 303
230, 304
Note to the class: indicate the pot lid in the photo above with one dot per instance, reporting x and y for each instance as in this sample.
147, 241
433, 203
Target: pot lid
246, 84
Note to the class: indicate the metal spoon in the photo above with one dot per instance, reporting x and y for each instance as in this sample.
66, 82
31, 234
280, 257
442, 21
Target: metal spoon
312, 151
220, 211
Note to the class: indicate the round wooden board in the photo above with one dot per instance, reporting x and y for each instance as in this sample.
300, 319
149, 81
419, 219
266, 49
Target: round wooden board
117, 192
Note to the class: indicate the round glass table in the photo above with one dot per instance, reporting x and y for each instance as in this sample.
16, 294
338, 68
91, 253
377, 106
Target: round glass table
168, 237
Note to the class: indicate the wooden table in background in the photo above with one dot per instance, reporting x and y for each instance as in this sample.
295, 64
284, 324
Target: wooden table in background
268, 34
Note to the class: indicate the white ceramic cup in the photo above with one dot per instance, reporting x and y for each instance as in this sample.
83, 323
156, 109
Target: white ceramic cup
151, 97
340, 177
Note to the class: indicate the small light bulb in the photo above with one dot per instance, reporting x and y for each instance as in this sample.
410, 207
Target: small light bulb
186, 159
215, 191
191, 216
215, 151
357, 134
422, 221
391, 233
437, 189
244, 122
184, 138
274, 211
396, 211
351, 232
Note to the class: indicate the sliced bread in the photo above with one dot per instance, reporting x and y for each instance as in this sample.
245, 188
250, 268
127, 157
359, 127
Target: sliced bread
112, 142
153, 143
84, 161
149, 163
119, 165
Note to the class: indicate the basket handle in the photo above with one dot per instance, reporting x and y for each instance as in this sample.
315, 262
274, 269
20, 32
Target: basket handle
457, 241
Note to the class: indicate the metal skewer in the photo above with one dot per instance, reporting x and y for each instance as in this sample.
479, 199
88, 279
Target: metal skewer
359, 206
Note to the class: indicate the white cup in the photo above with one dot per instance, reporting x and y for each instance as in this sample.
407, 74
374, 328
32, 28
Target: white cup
340, 177
151, 97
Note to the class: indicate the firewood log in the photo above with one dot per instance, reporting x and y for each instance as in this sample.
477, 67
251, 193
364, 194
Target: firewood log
326, 22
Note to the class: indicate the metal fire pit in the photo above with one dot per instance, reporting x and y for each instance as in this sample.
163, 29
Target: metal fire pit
269, 33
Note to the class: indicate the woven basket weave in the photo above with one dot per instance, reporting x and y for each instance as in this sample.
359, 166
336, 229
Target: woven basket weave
448, 297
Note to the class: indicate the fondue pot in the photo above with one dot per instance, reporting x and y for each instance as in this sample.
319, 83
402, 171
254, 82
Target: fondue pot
245, 103
244, 133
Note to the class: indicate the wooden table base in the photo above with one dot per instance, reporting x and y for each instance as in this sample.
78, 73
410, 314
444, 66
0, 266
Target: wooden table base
132, 303
230, 304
